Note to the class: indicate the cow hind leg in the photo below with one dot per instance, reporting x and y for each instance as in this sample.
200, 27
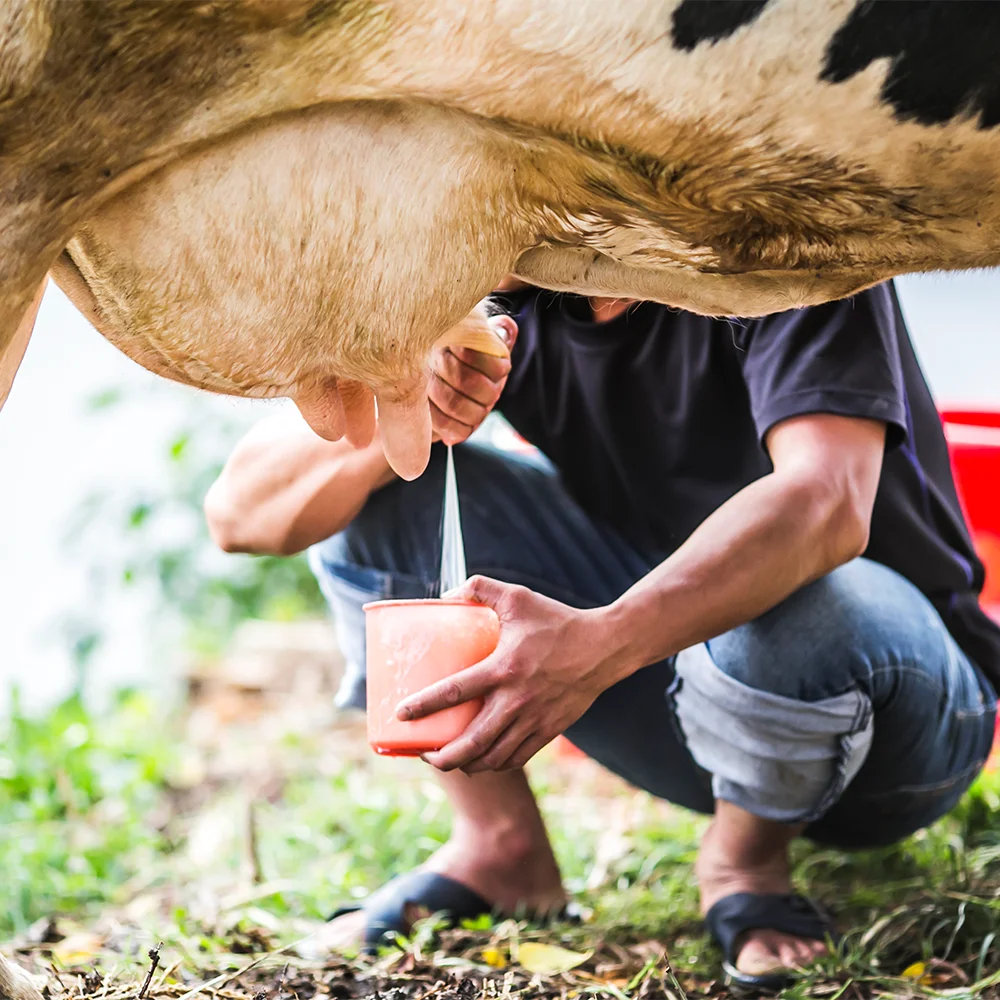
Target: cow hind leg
12, 353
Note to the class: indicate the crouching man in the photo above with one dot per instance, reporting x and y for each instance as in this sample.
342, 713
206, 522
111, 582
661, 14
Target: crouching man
740, 579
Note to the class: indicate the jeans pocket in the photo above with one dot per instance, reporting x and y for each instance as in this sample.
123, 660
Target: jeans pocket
912, 807
898, 812
896, 801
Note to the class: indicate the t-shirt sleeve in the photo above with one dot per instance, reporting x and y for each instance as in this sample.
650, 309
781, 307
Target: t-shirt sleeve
840, 357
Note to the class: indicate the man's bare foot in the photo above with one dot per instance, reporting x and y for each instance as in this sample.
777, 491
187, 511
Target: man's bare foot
743, 853
498, 848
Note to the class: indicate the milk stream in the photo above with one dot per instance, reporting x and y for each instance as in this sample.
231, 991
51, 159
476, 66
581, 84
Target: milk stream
453, 573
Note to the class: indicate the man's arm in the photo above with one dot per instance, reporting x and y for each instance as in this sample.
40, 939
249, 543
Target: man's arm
284, 488
810, 515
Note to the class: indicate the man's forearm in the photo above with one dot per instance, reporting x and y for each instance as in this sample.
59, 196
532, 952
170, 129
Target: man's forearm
284, 489
343, 485
749, 555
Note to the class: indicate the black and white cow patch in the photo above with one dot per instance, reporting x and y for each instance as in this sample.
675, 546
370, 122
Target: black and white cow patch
945, 57
696, 21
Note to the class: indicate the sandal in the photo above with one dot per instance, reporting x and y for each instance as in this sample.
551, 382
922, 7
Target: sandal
386, 907
732, 916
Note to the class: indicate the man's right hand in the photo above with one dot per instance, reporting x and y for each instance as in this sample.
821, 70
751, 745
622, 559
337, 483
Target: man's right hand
465, 385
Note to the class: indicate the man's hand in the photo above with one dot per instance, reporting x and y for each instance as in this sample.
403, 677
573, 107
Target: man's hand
465, 385
550, 664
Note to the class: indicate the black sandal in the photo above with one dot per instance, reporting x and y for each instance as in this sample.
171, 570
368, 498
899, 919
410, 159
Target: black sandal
386, 907
732, 916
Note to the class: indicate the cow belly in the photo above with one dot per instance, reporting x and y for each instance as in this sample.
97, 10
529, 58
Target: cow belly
326, 244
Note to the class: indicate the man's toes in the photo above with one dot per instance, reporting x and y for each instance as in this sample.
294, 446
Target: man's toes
767, 950
808, 950
759, 954
344, 932
790, 953
814, 949
803, 952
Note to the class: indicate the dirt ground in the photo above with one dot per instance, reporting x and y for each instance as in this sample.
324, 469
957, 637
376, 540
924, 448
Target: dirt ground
453, 971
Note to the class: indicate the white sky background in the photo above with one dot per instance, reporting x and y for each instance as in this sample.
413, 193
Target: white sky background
54, 452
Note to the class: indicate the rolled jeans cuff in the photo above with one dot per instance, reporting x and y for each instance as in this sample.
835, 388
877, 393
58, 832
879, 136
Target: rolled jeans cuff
779, 758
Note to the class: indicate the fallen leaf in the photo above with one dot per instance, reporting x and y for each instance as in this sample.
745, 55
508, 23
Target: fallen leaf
918, 973
77, 949
549, 959
494, 958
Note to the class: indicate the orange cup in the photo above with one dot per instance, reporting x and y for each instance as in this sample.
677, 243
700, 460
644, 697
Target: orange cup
411, 645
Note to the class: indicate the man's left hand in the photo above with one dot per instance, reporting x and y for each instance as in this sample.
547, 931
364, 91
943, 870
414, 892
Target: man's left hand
550, 664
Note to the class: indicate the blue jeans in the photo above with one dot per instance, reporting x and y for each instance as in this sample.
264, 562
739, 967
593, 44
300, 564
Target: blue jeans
848, 707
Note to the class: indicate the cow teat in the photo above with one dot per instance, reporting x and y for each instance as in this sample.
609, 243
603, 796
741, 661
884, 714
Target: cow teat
404, 420
336, 408
479, 334
341, 408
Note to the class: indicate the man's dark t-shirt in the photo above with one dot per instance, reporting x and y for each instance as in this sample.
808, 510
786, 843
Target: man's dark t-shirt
657, 417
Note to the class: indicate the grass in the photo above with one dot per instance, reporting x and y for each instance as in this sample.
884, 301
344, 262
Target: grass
76, 795
139, 824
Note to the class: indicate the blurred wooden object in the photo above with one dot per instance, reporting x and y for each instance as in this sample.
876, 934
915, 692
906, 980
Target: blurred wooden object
16, 984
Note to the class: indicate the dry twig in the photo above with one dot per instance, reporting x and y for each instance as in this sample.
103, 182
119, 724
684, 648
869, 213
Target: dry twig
154, 961
253, 847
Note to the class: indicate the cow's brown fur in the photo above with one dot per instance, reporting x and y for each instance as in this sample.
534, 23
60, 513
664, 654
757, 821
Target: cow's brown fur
264, 197
94, 96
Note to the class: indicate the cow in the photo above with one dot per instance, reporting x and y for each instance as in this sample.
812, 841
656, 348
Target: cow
300, 197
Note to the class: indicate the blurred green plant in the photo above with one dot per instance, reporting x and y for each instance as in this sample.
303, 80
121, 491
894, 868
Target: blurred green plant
154, 537
77, 800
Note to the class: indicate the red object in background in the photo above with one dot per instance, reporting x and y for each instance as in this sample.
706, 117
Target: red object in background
974, 444
567, 750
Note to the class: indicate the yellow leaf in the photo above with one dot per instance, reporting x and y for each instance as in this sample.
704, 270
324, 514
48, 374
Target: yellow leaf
494, 958
548, 959
918, 972
77, 949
